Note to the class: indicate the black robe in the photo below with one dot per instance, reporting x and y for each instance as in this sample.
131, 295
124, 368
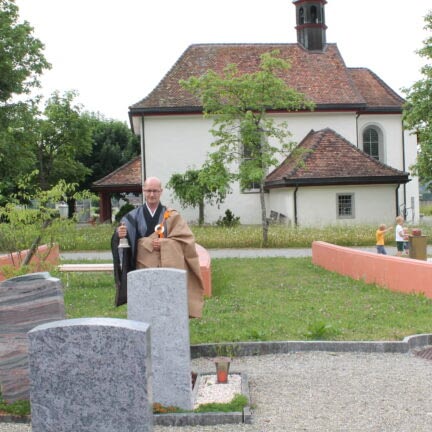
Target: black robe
139, 224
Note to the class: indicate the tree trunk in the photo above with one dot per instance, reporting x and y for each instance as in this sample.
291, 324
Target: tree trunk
35, 245
71, 207
264, 216
201, 213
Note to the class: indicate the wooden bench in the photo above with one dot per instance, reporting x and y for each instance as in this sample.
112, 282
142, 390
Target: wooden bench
109, 267
204, 261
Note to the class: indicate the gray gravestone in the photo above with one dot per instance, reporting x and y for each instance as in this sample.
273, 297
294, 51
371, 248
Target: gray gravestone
25, 302
158, 296
91, 375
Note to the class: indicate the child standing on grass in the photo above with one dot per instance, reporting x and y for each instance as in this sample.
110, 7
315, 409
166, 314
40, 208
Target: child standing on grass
399, 235
380, 232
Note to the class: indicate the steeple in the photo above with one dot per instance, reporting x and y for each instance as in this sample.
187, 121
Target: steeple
310, 20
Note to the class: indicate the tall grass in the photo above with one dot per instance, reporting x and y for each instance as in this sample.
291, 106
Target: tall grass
73, 237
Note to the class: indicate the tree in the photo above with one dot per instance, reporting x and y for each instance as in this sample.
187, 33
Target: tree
418, 110
21, 63
113, 144
195, 187
27, 225
21, 58
64, 136
17, 153
239, 105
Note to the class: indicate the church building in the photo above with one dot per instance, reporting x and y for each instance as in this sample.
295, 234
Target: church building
356, 167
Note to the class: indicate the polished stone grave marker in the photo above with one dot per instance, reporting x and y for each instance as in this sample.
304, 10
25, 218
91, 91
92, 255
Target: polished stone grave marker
25, 302
91, 375
158, 296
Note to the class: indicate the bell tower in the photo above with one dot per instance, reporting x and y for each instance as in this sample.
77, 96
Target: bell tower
310, 24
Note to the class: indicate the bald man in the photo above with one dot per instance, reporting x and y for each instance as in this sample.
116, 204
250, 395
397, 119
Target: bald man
159, 237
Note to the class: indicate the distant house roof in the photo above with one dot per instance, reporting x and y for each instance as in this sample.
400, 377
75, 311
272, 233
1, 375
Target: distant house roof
127, 178
326, 158
321, 76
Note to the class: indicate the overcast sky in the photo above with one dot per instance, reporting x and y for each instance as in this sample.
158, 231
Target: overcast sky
114, 52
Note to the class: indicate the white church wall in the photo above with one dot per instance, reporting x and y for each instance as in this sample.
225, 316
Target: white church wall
317, 206
174, 144
300, 124
281, 201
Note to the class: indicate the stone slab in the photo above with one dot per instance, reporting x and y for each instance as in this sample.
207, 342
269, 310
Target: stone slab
25, 302
158, 296
209, 418
91, 375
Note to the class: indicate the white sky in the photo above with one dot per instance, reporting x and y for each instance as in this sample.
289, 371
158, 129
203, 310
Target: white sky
114, 52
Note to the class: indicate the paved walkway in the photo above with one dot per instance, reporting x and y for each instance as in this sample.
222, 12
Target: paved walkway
214, 253
230, 253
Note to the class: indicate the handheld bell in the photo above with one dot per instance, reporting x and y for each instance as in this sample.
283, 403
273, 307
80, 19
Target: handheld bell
123, 243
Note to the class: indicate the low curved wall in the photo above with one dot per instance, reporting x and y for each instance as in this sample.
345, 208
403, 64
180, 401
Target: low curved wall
395, 273
205, 267
45, 254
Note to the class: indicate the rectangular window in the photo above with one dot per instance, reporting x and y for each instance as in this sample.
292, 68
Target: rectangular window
345, 206
252, 186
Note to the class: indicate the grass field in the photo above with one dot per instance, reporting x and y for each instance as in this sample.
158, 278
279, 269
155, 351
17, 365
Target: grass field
276, 299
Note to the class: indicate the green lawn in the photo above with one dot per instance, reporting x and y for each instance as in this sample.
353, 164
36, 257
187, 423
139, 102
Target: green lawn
276, 299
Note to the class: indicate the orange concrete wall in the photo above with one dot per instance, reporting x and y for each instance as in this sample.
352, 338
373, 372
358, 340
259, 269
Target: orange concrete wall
44, 255
395, 273
205, 267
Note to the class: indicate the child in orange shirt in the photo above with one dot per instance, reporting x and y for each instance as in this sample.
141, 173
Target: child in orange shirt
380, 232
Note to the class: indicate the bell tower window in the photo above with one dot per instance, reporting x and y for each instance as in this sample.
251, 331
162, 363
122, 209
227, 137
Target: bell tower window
301, 16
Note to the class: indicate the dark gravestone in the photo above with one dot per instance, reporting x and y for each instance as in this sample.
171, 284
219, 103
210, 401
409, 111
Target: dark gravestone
25, 302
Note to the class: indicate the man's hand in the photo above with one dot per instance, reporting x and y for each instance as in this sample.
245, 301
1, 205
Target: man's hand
122, 231
156, 244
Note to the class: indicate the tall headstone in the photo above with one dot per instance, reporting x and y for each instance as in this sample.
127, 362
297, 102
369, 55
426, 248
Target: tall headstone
25, 302
91, 375
158, 296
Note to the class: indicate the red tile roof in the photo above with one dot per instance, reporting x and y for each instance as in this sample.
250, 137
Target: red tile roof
127, 178
324, 158
322, 76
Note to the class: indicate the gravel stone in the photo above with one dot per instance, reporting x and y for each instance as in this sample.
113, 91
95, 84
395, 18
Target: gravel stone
326, 392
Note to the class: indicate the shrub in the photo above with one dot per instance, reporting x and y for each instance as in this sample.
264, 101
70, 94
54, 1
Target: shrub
229, 220
124, 209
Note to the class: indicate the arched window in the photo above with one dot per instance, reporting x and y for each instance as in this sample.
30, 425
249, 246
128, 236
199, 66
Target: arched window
313, 12
373, 143
301, 15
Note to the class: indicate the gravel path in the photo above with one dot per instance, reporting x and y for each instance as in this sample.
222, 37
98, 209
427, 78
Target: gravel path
323, 391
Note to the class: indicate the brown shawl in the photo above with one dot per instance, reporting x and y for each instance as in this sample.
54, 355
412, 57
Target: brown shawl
177, 251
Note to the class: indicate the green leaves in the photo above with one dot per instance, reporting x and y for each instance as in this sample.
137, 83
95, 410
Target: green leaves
195, 187
21, 57
418, 110
246, 136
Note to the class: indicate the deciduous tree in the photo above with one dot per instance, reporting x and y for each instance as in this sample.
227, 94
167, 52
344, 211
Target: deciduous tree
113, 144
418, 109
21, 64
195, 187
247, 137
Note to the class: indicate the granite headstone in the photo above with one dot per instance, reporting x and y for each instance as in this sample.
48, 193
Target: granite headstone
158, 296
91, 375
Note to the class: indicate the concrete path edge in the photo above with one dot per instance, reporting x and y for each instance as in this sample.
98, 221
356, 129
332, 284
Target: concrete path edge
240, 349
